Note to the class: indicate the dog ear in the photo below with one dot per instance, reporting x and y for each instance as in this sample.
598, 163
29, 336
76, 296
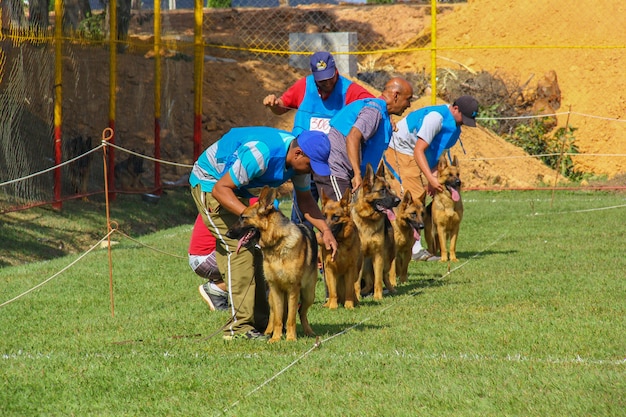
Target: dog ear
380, 170
346, 198
324, 197
267, 197
407, 200
408, 197
368, 178
443, 163
455, 161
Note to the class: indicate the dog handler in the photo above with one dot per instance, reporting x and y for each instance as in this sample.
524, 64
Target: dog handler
415, 148
359, 134
224, 178
316, 98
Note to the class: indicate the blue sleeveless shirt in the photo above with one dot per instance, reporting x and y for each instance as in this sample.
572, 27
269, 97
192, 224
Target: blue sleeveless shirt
372, 149
314, 113
444, 140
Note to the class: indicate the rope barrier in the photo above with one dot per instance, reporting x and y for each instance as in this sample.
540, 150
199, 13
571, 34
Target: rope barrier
58, 273
318, 343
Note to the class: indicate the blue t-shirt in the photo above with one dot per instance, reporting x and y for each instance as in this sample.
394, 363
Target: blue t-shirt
253, 156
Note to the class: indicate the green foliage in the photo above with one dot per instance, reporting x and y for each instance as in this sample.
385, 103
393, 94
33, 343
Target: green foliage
488, 116
218, 4
564, 138
380, 1
526, 324
533, 138
92, 27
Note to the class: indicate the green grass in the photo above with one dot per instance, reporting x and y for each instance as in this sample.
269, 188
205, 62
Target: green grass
530, 322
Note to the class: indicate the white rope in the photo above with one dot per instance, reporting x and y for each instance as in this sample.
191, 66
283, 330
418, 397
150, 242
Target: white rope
542, 155
318, 342
58, 273
147, 157
49, 169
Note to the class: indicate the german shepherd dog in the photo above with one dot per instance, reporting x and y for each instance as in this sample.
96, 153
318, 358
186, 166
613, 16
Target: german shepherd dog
406, 230
289, 262
79, 169
444, 214
372, 212
342, 273
128, 173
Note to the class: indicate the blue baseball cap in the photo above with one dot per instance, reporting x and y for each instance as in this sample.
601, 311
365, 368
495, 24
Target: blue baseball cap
316, 147
323, 66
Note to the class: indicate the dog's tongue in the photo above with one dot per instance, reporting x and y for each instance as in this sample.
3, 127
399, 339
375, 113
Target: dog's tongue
455, 194
390, 214
416, 234
240, 244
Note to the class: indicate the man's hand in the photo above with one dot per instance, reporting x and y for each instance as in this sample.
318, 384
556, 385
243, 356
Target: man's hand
329, 242
433, 186
275, 104
357, 180
271, 101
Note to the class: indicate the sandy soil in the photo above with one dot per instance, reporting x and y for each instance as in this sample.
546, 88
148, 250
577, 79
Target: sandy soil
591, 80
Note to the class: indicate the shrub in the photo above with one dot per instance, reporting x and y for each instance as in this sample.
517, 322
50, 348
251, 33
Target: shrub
218, 4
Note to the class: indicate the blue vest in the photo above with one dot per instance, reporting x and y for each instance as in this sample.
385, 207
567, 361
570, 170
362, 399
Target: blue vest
260, 150
444, 140
372, 149
314, 113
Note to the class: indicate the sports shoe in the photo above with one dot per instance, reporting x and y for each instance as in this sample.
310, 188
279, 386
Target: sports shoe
216, 300
252, 334
422, 255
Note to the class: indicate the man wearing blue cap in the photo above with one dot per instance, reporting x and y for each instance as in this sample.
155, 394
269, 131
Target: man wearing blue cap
317, 98
224, 178
416, 146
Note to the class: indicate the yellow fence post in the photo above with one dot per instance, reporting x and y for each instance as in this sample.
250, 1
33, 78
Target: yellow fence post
157, 96
433, 51
198, 64
112, 88
58, 98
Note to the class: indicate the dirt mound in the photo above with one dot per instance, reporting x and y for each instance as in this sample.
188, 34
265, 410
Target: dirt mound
590, 78
591, 82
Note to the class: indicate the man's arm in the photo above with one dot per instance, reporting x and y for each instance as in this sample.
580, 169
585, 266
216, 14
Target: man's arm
275, 104
224, 193
422, 163
289, 100
353, 148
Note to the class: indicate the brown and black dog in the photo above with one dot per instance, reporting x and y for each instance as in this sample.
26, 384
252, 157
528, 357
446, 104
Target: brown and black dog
372, 212
342, 273
406, 230
289, 262
444, 214
128, 173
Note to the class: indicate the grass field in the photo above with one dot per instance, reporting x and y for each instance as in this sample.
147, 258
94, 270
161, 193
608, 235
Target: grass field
530, 322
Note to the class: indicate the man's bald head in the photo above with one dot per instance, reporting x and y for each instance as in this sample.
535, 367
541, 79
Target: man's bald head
397, 93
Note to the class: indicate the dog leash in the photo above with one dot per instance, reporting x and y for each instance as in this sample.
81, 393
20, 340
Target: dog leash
394, 172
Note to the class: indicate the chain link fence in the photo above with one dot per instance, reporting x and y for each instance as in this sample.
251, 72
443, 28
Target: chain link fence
44, 74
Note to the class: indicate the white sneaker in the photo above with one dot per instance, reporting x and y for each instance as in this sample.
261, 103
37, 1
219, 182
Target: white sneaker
422, 255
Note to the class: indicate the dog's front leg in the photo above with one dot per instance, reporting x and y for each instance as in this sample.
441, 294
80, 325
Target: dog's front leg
442, 234
331, 284
453, 235
277, 306
379, 271
292, 308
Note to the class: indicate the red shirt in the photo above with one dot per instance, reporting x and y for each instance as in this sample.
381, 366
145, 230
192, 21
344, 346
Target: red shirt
202, 241
295, 94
